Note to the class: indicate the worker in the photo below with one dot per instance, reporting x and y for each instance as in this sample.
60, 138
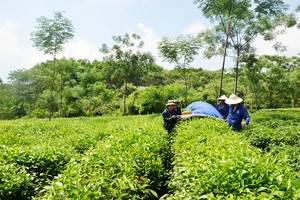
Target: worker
178, 109
222, 107
237, 112
169, 115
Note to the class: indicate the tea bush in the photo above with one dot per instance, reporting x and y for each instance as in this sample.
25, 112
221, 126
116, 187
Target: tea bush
213, 162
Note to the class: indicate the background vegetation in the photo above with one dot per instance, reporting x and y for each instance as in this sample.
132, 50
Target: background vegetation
84, 88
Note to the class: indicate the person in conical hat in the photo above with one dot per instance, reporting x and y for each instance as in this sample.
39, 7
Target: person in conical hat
237, 113
222, 107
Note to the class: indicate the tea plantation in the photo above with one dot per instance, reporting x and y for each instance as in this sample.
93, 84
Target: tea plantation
133, 158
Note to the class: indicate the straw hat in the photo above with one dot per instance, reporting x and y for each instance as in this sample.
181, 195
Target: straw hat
171, 103
222, 98
233, 99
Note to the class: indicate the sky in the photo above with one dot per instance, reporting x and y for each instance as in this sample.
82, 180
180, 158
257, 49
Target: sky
96, 21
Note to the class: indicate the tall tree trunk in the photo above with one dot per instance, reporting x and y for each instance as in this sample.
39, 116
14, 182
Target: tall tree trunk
35, 98
90, 102
61, 96
295, 96
125, 92
237, 71
225, 52
186, 88
52, 88
223, 65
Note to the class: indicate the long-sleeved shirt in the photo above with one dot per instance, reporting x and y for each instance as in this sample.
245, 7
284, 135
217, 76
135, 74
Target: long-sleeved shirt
169, 122
223, 111
236, 116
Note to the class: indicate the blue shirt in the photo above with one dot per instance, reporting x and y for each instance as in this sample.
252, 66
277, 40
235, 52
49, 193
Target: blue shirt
169, 122
223, 111
235, 117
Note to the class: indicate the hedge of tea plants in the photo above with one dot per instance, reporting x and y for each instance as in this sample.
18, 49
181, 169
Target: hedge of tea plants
127, 164
213, 162
276, 127
277, 132
82, 158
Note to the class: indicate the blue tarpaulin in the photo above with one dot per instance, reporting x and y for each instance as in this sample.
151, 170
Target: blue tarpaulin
199, 107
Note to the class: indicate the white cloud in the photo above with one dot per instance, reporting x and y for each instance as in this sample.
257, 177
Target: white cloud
77, 49
194, 28
9, 49
80, 49
288, 39
8, 40
151, 40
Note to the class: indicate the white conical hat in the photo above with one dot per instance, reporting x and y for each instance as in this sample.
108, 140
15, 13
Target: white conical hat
233, 99
223, 97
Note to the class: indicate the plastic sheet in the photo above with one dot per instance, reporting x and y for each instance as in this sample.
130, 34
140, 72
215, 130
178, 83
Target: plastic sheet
200, 107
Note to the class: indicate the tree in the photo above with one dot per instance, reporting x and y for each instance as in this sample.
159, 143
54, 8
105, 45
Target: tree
65, 68
224, 14
28, 84
49, 37
294, 77
127, 58
252, 74
180, 51
6, 103
241, 21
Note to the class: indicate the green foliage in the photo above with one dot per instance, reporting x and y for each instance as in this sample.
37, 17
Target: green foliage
121, 166
52, 33
39, 113
83, 88
180, 51
49, 37
153, 99
127, 152
276, 132
15, 182
274, 128
130, 62
41, 162
212, 162
238, 23
132, 158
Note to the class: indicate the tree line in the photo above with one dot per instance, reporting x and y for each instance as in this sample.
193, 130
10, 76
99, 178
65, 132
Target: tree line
84, 88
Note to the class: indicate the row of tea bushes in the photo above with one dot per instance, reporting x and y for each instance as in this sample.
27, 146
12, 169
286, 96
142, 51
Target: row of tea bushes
42, 149
15, 182
276, 127
127, 153
41, 163
277, 131
213, 162
80, 133
127, 164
